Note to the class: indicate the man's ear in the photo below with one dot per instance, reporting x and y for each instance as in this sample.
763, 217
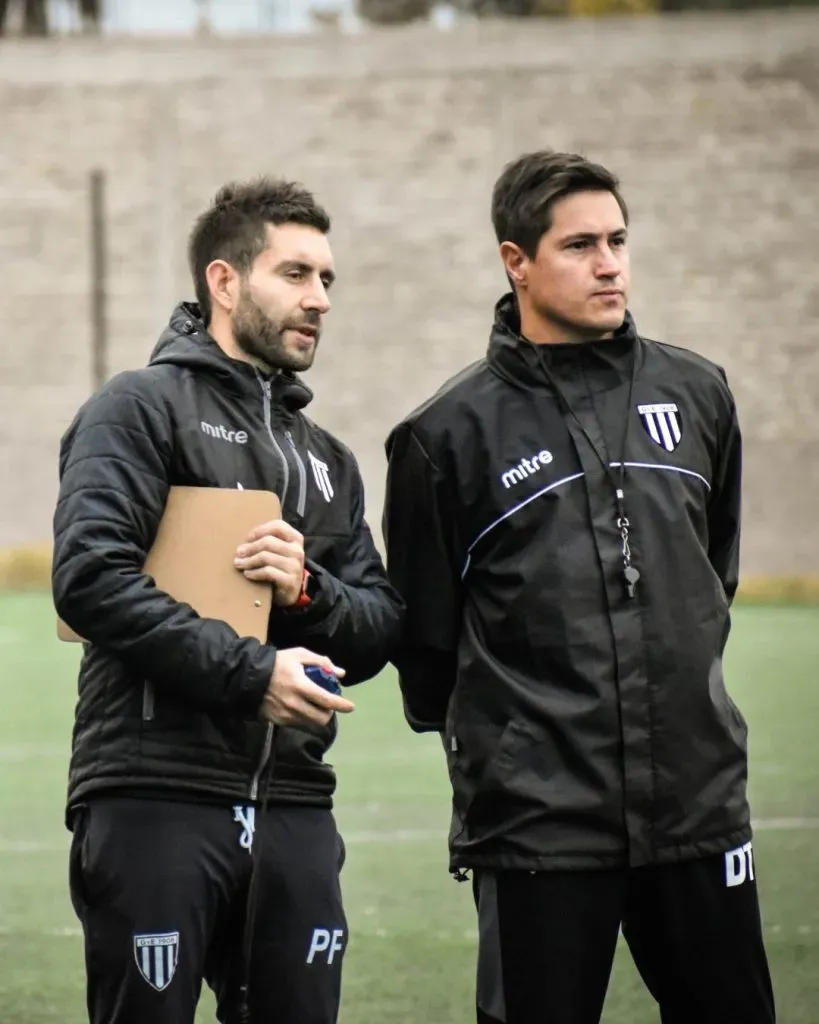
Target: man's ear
224, 285
515, 262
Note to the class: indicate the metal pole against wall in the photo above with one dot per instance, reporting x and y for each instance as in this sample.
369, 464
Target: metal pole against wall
99, 294
166, 160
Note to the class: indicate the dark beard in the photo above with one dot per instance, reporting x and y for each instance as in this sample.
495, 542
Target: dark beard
261, 337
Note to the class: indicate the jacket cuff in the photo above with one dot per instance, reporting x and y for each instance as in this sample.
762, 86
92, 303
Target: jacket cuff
322, 603
254, 684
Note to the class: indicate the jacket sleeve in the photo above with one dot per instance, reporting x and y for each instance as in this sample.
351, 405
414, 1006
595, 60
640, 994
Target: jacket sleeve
355, 616
114, 480
724, 508
422, 567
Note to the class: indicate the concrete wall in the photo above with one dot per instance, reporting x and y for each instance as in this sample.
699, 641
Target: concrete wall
712, 123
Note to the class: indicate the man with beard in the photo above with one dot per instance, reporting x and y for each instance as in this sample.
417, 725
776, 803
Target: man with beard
562, 520
204, 845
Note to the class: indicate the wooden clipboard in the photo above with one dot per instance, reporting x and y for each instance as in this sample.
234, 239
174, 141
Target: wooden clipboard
192, 556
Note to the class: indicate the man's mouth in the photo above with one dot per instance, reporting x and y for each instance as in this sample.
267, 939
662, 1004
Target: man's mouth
306, 330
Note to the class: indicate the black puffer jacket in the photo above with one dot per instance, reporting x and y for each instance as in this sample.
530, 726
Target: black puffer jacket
168, 701
584, 727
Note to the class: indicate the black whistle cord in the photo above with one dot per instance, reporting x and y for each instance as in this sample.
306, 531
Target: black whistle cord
630, 574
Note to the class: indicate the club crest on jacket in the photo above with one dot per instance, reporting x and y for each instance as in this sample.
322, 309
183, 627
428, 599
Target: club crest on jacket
663, 424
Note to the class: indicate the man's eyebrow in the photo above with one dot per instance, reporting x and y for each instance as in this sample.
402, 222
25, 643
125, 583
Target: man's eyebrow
593, 236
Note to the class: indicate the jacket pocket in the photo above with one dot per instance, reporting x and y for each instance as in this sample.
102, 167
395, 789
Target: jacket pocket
480, 774
341, 852
148, 701
78, 859
739, 733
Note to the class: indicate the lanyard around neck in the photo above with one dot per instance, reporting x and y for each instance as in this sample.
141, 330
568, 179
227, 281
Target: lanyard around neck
618, 482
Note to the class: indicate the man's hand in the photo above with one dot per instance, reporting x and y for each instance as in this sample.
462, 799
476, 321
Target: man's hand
274, 553
292, 699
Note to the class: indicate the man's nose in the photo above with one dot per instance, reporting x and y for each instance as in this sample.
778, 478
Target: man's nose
317, 299
607, 264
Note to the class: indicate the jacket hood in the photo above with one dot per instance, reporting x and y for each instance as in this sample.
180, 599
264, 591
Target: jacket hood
186, 342
524, 363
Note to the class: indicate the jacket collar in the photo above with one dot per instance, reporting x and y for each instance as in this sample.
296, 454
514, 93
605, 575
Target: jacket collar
603, 363
186, 342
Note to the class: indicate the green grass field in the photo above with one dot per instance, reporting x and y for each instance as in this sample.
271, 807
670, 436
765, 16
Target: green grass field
411, 957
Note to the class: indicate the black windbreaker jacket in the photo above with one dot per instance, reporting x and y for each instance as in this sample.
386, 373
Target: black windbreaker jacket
583, 727
168, 701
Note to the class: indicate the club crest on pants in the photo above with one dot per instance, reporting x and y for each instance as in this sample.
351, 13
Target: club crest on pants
663, 424
157, 957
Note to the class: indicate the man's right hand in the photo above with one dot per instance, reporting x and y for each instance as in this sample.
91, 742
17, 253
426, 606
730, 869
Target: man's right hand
292, 699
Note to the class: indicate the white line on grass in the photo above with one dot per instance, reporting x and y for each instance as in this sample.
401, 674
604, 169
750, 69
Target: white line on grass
470, 934
784, 824
32, 846
71, 932
401, 835
33, 751
409, 835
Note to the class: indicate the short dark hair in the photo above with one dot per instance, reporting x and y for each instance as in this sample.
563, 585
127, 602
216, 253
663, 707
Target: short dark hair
529, 187
234, 228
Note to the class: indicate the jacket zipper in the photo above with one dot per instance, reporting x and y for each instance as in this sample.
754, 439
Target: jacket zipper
266, 404
302, 474
268, 743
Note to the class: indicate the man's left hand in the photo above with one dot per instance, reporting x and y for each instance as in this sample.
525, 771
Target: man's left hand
274, 553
